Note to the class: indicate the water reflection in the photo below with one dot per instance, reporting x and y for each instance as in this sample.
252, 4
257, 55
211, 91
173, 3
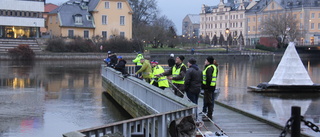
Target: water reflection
48, 98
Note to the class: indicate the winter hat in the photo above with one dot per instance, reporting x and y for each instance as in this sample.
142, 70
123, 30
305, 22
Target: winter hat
109, 52
192, 61
171, 55
119, 57
181, 58
210, 59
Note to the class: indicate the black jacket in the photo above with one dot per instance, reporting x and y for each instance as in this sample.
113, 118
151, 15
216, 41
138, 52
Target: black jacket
113, 60
193, 79
121, 66
171, 62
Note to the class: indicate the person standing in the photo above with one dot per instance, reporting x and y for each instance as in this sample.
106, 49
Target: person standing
145, 70
209, 78
171, 60
193, 81
121, 65
137, 62
176, 74
161, 82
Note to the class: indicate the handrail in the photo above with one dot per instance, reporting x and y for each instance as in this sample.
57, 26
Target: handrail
155, 125
168, 107
152, 96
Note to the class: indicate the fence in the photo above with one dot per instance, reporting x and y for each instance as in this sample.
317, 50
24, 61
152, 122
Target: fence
168, 107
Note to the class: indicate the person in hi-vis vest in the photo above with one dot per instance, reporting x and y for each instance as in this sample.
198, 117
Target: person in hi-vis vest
177, 74
161, 82
209, 78
137, 62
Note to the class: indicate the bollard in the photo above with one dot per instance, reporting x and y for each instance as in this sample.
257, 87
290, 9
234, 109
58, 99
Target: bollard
296, 125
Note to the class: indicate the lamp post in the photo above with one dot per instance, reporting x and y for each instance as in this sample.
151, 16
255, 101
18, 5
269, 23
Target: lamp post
227, 32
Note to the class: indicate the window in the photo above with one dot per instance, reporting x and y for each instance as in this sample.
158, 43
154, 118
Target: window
70, 33
119, 5
254, 19
248, 19
312, 25
254, 28
104, 34
226, 17
300, 15
319, 15
312, 15
122, 34
106, 5
77, 19
86, 34
259, 19
318, 25
121, 20
248, 28
300, 25
50, 19
294, 16
57, 19
104, 19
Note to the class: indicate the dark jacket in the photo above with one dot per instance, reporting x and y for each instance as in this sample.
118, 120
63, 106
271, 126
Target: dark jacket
193, 79
113, 60
121, 66
171, 62
180, 76
209, 78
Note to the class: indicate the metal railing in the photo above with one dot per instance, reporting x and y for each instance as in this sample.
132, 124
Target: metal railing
152, 125
155, 98
168, 107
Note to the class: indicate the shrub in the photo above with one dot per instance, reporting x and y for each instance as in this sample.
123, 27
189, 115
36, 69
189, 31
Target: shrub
122, 45
262, 47
81, 45
22, 52
56, 45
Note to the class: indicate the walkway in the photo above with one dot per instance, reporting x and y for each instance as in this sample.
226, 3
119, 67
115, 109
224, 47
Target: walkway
235, 124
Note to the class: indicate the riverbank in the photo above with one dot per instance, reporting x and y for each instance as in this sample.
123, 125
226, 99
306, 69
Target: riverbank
153, 55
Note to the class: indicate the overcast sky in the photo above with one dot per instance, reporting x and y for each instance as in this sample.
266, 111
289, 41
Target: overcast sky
175, 10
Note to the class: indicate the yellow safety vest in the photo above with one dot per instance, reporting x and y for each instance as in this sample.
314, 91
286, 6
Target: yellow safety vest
137, 60
214, 75
162, 81
176, 72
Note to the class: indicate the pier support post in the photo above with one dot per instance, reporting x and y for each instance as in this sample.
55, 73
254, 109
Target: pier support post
296, 125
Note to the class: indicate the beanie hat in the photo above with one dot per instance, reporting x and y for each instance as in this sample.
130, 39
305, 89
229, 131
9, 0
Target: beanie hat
192, 61
181, 58
119, 57
171, 55
210, 59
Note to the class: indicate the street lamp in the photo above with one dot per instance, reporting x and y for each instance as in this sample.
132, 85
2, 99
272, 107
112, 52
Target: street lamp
227, 32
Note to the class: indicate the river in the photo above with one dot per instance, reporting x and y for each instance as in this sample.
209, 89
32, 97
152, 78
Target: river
49, 98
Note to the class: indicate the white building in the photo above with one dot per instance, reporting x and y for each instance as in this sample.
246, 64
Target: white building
21, 18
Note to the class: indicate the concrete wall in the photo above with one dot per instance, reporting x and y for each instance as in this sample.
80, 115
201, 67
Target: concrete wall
127, 101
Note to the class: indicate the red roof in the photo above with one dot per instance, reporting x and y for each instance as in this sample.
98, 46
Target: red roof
49, 7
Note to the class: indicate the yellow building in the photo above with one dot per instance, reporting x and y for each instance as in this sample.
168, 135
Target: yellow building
88, 18
306, 12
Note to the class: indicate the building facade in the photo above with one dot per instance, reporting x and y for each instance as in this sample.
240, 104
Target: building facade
215, 20
88, 18
191, 25
307, 12
21, 18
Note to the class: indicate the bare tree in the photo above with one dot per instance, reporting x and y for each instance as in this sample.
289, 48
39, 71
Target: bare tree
221, 39
277, 26
144, 11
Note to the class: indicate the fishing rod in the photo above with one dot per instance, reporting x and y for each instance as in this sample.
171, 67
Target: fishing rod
214, 124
